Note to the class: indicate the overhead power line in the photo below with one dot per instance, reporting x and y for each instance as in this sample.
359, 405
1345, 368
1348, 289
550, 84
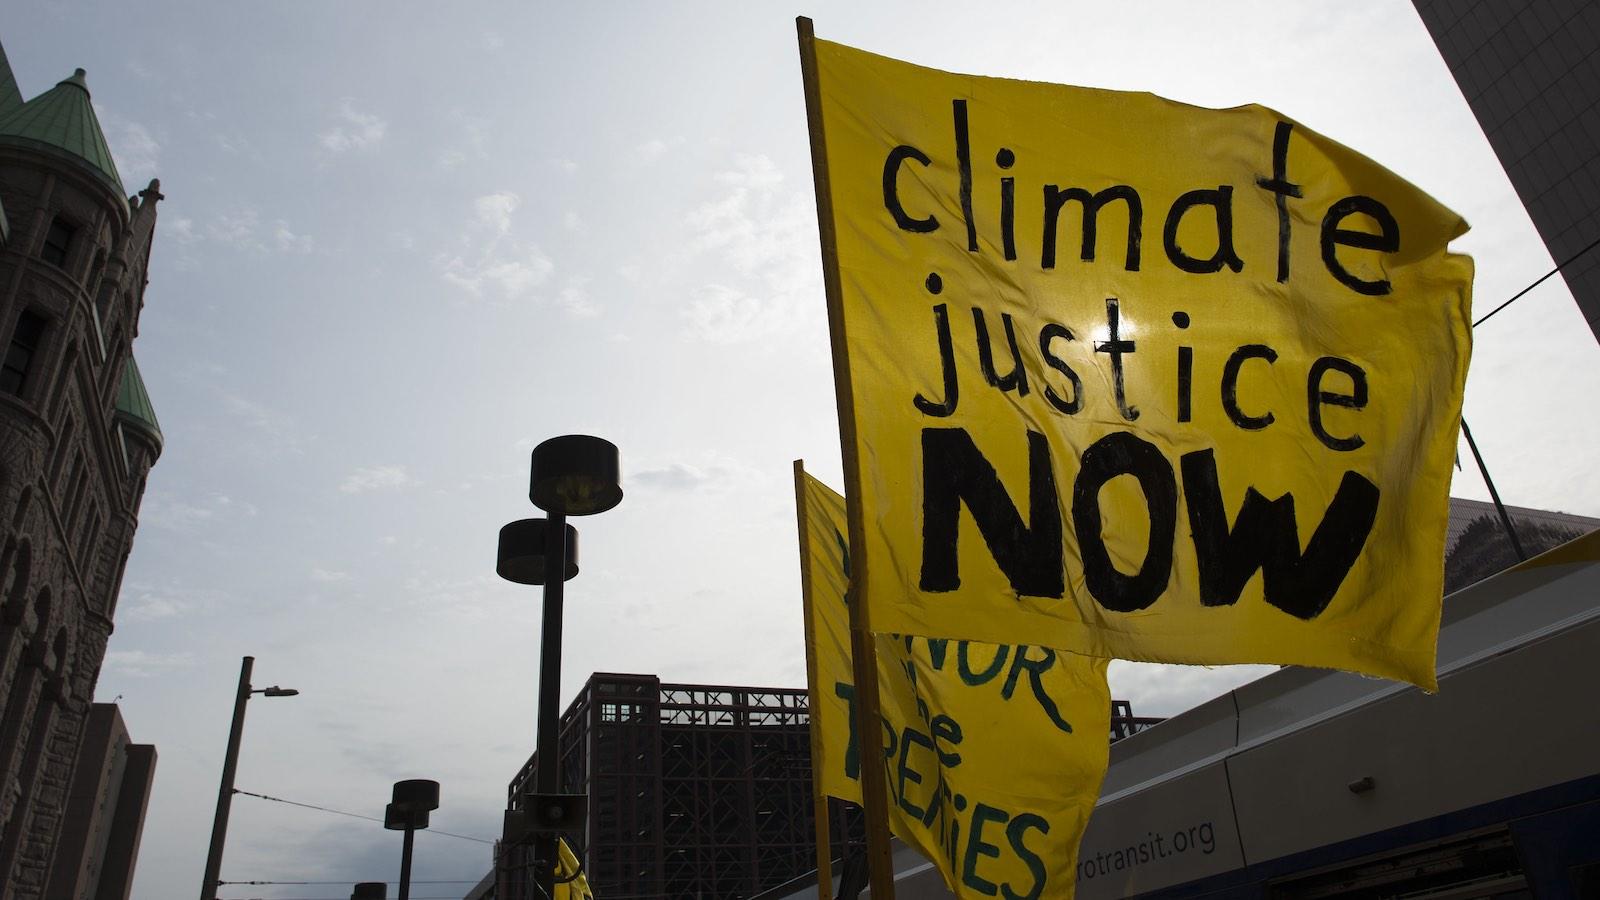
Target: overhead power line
340, 812
1569, 261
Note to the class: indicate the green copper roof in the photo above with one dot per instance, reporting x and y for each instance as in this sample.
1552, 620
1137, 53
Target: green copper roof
62, 121
133, 405
10, 94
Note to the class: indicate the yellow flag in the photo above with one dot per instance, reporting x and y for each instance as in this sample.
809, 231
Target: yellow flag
571, 883
1133, 378
993, 754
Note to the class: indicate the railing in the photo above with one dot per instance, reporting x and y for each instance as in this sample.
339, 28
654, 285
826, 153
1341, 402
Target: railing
1128, 726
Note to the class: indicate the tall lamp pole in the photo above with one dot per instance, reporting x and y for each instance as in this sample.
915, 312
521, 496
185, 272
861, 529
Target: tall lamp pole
572, 475
408, 811
230, 763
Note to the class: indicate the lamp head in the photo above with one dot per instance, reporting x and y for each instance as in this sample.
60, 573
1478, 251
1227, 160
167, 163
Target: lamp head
524, 553
416, 794
575, 475
276, 691
397, 819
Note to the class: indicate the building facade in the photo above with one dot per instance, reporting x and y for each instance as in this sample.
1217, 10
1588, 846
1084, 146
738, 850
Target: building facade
695, 790
1531, 73
77, 439
99, 840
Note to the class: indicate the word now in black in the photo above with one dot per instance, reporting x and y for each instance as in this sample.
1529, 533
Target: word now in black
1264, 536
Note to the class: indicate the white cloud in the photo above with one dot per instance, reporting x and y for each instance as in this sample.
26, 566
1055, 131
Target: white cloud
376, 478
1166, 690
288, 241
494, 210
275, 430
160, 510
149, 607
672, 477
140, 664
461, 595
181, 230
328, 576
241, 228
236, 228
510, 278
574, 298
144, 602
235, 143
710, 473
516, 277
472, 141
765, 237
355, 130
655, 148
135, 149
502, 267
725, 315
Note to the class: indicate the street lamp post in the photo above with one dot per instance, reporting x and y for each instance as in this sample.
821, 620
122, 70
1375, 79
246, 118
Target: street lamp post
576, 475
408, 811
230, 763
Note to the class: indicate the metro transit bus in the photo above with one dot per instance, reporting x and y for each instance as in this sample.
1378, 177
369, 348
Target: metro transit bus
1309, 783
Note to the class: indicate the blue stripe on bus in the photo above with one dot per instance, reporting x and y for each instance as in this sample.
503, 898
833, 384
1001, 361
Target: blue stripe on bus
1252, 880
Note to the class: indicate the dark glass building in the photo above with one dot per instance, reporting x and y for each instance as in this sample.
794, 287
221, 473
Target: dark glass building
1531, 72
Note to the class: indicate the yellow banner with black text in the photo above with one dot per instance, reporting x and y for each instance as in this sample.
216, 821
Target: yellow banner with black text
1137, 379
993, 753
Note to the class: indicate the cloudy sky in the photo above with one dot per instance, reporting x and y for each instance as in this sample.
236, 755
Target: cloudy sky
402, 243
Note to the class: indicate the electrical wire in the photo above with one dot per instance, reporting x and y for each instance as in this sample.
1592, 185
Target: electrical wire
340, 812
1569, 261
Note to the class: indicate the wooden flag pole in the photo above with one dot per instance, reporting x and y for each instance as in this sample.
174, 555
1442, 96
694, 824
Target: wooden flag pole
819, 800
864, 657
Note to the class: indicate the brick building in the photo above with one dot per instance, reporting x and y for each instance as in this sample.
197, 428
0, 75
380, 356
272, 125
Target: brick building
77, 438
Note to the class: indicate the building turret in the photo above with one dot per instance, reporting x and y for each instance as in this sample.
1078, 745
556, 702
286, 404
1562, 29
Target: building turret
78, 435
135, 419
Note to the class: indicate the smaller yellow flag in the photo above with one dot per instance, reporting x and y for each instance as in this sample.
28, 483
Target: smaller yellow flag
571, 884
993, 753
